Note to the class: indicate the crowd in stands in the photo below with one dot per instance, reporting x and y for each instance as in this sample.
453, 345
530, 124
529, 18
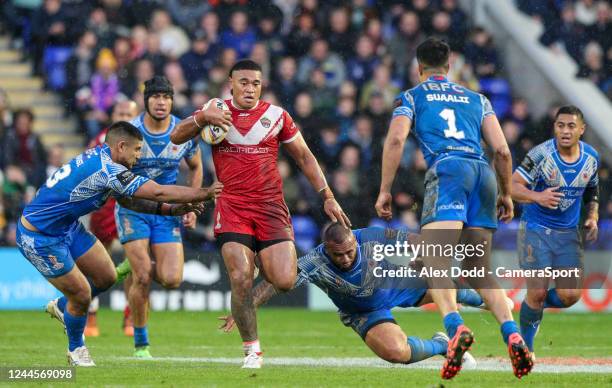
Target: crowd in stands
584, 29
335, 65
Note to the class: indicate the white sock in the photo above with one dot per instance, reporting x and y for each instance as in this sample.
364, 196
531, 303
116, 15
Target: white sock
251, 347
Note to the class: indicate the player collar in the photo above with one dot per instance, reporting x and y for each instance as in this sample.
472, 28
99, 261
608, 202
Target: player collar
437, 77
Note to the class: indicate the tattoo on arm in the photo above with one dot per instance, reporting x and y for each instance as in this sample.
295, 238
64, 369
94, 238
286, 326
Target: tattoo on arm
139, 205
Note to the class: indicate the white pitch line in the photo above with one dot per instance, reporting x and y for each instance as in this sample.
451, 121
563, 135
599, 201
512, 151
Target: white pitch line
483, 365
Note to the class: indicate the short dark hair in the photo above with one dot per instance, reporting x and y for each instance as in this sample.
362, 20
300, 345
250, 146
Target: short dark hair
336, 233
245, 64
570, 110
122, 130
433, 53
24, 112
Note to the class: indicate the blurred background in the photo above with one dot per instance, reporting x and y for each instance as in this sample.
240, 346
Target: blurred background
335, 65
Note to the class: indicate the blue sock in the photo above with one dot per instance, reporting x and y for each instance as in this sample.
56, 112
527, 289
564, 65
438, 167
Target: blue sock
553, 300
61, 303
451, 322
141, 336
530, 321
421, 349
507, 329
469, 297
74, 328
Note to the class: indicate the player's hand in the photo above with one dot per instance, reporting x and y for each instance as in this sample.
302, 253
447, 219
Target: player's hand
216, 116
335, 212
213, 191
228, 323
505, 208
550, 198
183, 209
383, 205
592, 229
189, 220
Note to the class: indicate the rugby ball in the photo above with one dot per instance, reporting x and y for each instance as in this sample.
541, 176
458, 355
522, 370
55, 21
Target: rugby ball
213, 134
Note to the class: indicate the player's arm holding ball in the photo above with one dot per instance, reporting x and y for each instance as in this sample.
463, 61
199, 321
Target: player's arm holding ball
190, 127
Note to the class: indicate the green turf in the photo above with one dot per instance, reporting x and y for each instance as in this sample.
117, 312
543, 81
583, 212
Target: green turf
32, 339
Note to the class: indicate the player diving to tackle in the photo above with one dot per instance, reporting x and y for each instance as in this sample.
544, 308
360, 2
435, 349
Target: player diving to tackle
51, 237
553, 180
343, 267
460, 191
158, 234
251, 217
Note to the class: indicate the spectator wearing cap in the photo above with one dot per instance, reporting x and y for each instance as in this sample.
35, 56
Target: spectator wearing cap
239, 36
198, 61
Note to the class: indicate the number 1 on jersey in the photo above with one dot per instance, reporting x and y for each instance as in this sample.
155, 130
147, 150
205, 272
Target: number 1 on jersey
449, 116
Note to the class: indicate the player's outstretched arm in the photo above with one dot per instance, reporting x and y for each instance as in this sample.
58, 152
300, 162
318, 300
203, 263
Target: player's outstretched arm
189, 128
392, 154
177, 194
165, 209
502, 161
299, 151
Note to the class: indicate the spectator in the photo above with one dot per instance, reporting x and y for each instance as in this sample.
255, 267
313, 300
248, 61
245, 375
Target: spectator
5, 123
16, 193
320, 57
601, 30
104, 91
139, 38
424, 11
240, 36
566, 31
361, 67
350, 162
403, 44
174, 72
323, 95
99, 25
345, 115
302, 35
173, 42
287, 85
210, 24
55, 159
50, 27
442, 28
328, 144
142, 71
198, 61
304, 117
261, 55
362, 134
481, 54
187, 13
340, 35
79, 67
268, 32
23, 148
380, 84
586, 12
592, 67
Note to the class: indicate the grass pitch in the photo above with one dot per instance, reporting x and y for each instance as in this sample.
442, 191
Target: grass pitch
303, 348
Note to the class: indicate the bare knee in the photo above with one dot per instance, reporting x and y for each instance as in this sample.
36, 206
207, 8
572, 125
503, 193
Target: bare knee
171, 282
241, 284
105, 281
284, 284
396, 353
569, 297
536, 297
141, 279
80, 300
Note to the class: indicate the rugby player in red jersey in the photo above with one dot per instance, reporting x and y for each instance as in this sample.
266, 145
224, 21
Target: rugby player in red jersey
102, 222
251, 217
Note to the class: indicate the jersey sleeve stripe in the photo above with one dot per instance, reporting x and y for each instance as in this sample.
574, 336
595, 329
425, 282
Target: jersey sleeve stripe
524, 174
294, 137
